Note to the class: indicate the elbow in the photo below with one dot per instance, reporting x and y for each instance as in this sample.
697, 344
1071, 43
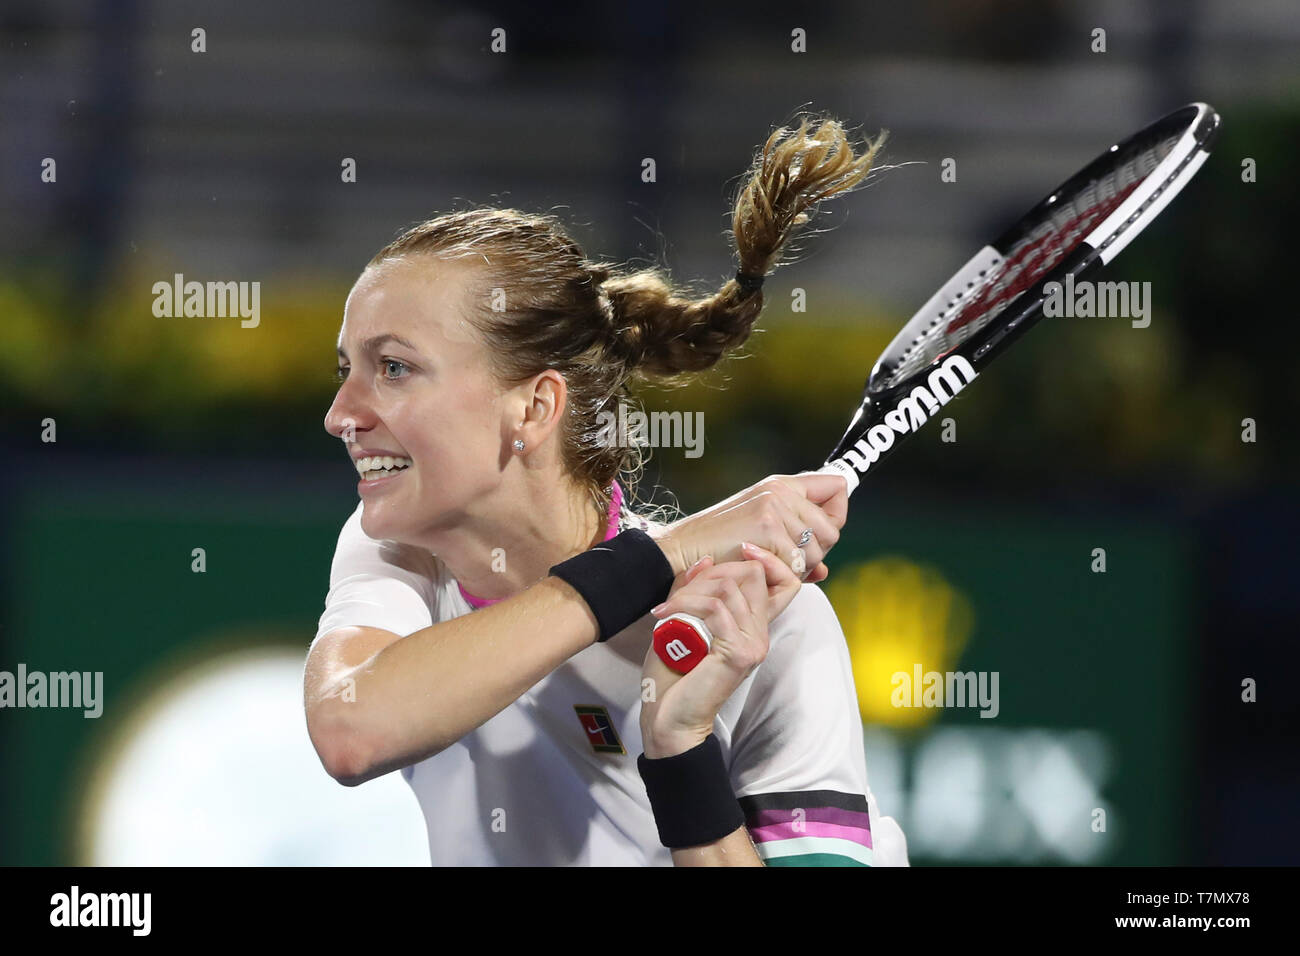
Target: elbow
345, 764
341, 750
353, 751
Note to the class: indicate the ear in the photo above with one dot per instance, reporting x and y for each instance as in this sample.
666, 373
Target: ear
540, 403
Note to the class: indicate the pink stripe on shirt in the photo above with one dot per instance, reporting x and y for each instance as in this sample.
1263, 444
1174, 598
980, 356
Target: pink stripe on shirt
788, 831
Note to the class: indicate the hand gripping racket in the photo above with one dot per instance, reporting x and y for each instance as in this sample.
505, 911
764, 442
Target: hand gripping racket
994, 299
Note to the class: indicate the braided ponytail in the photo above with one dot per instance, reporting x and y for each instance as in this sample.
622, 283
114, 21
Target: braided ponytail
663, 334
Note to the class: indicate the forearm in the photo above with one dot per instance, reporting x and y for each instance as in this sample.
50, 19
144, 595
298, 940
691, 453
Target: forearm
735, 849
419, 695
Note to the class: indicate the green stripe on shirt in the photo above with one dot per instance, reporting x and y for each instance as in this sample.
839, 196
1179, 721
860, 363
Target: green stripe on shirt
774, 851
814, 859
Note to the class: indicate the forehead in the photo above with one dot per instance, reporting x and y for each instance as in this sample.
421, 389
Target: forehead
421, 299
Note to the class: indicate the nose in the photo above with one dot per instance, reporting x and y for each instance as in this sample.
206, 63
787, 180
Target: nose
347, 413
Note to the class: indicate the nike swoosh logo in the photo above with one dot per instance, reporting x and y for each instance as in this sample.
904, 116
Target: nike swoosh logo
596, 731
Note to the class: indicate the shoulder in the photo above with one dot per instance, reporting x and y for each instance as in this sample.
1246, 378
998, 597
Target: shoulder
383, 584
798, 733
808, 621
807, 667
357, 552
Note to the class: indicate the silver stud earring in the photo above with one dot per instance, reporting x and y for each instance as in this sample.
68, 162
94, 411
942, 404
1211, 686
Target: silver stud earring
519, 444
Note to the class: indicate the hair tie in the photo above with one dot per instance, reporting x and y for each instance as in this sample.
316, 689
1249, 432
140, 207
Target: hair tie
749, 284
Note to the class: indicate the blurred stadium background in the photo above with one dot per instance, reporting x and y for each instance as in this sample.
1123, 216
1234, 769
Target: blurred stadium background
1119, 691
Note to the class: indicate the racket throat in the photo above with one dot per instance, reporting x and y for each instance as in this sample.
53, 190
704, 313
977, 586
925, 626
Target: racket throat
879, 425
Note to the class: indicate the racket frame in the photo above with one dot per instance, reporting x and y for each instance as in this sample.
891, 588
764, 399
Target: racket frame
875, 430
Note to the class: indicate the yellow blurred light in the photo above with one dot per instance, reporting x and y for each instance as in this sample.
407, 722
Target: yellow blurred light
898, 614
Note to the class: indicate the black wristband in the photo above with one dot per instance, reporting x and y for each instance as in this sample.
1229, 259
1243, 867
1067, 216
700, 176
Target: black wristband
621, 580
691, 795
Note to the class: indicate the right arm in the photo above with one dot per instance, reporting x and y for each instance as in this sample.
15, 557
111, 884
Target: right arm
376, 701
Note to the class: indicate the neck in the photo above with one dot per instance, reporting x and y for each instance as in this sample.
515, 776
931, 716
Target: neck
516, 542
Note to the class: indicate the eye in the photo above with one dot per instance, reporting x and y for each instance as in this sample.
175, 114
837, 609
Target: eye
388, 365
341, 373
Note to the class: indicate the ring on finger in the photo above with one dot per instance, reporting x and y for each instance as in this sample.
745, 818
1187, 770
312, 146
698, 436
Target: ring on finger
805, 537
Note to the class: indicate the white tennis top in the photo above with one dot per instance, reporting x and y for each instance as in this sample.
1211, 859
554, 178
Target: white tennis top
552, 779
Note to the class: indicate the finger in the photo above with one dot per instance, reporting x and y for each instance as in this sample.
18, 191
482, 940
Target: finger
722, 584
825, 518
810, 515
776, 574
748, 575
745, 614
723, 634
740, 641
783, 584
686, 577
696, 569
700, 565
751, 577
798, 516
714, 611
830, 492
780, 526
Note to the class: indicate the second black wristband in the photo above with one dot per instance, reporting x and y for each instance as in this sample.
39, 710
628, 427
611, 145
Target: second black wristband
691, 796
621, 579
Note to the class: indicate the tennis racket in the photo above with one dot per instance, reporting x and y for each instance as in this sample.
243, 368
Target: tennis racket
994, 299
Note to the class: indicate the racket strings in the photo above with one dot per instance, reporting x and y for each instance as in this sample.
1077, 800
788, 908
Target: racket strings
1065, 224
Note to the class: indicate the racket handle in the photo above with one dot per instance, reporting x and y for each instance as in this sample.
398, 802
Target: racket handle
682, 641
842, 468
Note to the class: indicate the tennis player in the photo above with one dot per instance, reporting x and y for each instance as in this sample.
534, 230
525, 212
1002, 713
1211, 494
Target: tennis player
488, 624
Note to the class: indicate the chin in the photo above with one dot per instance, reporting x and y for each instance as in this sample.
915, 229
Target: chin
377, 524
382, 522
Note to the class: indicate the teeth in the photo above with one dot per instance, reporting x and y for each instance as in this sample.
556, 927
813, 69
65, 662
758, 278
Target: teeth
380, 465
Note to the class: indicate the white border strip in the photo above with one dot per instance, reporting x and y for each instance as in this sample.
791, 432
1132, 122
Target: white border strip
1172, 190
1112, 224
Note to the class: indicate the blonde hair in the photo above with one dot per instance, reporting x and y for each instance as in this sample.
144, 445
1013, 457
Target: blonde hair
602, 326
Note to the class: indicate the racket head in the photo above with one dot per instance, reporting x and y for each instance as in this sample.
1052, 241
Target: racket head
999, 293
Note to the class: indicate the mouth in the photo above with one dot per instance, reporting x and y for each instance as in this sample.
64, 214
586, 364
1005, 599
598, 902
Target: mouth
377, 468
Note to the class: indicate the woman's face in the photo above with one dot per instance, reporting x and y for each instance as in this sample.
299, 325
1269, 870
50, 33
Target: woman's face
417, 386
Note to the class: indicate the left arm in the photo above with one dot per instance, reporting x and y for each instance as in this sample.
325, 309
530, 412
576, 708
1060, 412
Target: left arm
736, 601
796, 763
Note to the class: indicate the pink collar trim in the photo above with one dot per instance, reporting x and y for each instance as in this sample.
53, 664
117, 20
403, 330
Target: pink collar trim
615, 508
